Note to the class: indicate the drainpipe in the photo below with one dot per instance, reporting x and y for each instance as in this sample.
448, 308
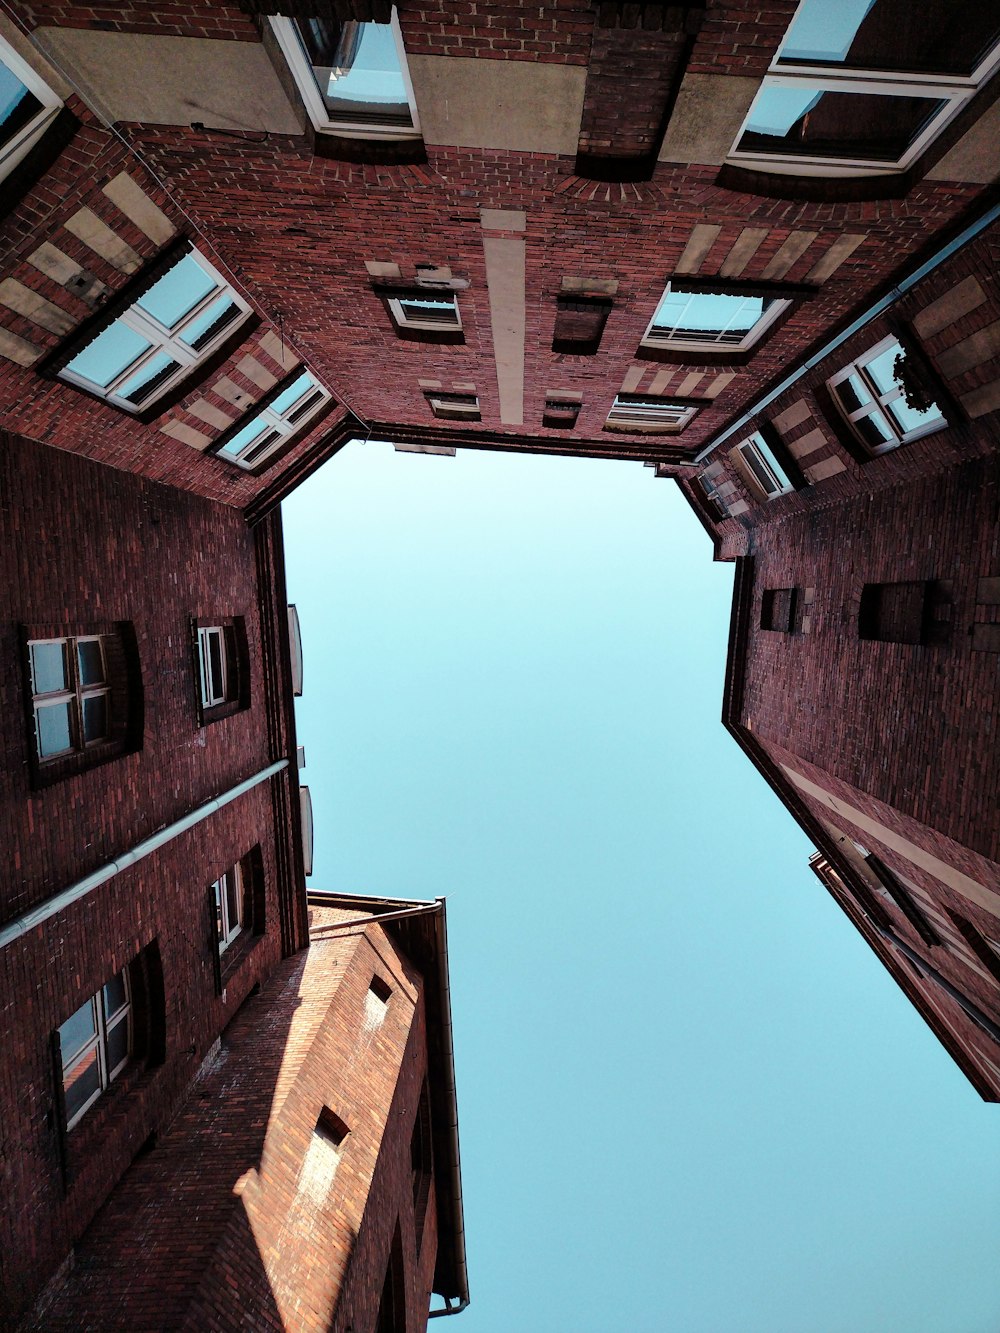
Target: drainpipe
969, 233
21, 925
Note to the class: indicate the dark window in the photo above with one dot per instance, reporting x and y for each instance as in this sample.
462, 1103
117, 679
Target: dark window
778, 609
85, 693
985, 947
236, 906
222, 667
560, 413
421, 1162
580, 324
892, 890
455, 406
893, 612
392, 1306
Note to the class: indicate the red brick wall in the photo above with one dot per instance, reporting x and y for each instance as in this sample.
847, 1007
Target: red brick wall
167, 18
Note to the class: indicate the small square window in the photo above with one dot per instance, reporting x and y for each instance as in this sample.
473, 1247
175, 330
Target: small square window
761, 467
287, 415
579, 326
429, 312
691, 319
27, 108
778, 609
152, 345
882, 401
95, 1043
352, 76
647, 415
455, 406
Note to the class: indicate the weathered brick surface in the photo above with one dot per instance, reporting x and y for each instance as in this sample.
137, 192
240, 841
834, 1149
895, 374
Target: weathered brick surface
223, 1226
168, 18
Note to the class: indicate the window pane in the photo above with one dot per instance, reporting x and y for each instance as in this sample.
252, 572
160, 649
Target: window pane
48, 667
215, 665
78, 1029
933, 37
117, 1045
800, 122
234, 900
708, 314
210, 322
53, 728
286, 400
914, 418
17, 104
115, 996
90, 657
220, 925
244, 437
111, 352
148, 378
81, 1083
356, 67
852, 393
880, 368
874, 430
95, 718
177, 292
262, 447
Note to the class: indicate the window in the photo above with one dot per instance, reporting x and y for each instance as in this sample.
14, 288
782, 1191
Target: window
352, 76
985, 947
691, 320
579, 326
861, 87
228, 895
641, 413
893, 612
157, 341
213, 656
762, 467
890, 888
421, 1163
879, 401
276, 424
95, 1044
710, 487
27, 108
560, 413
455, 406
778, 609
70, 695
426, 311
222, 667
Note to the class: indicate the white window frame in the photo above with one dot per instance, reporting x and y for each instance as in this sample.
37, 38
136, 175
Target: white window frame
209, 698
280, 423
17, 147
953, 90
449, 410
405, 321
661, 418
682, 342
74, 694
103, 1026
879, 402
757, 448
167, 340
305, 79
226, 928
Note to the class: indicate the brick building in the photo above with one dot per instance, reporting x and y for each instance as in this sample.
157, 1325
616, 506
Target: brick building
755, 253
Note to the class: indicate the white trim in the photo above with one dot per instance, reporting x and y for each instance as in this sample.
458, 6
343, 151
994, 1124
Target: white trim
279, 422
23, 140
166, 340
664, 417
229, 929
681, 343
756, 446
449, 410
209, 697
955, 91
98, 1042
302, 71
880, 406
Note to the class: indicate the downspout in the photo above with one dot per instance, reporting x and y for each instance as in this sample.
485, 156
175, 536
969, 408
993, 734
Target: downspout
21, 925
461, 1260
969, 233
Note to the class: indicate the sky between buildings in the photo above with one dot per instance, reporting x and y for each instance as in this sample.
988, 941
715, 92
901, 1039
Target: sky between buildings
690, 1098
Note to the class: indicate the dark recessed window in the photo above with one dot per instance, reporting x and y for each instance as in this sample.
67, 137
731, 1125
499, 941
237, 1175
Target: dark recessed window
893, 612
778, 609
222, 666
579, 325
561, 413
891, 889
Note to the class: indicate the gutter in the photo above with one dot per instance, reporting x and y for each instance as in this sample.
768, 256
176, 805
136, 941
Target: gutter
21, 925
968, 234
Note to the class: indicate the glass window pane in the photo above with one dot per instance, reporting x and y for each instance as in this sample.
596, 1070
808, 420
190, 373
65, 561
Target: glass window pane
117, 1045
78, 1029
149, 377
52, 723
935, 37
800, 122
111, 352
219, 315
220, 925
115, 995
48, 667
874, 430
95, 718
880, 368
17, 105
708, 312
234, 900
914, 418
356, 67
244, 437
853, 393
177, 292
296, 390
215, 665
81, 1083
90, 657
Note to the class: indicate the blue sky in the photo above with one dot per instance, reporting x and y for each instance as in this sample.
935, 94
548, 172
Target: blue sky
691, 1100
